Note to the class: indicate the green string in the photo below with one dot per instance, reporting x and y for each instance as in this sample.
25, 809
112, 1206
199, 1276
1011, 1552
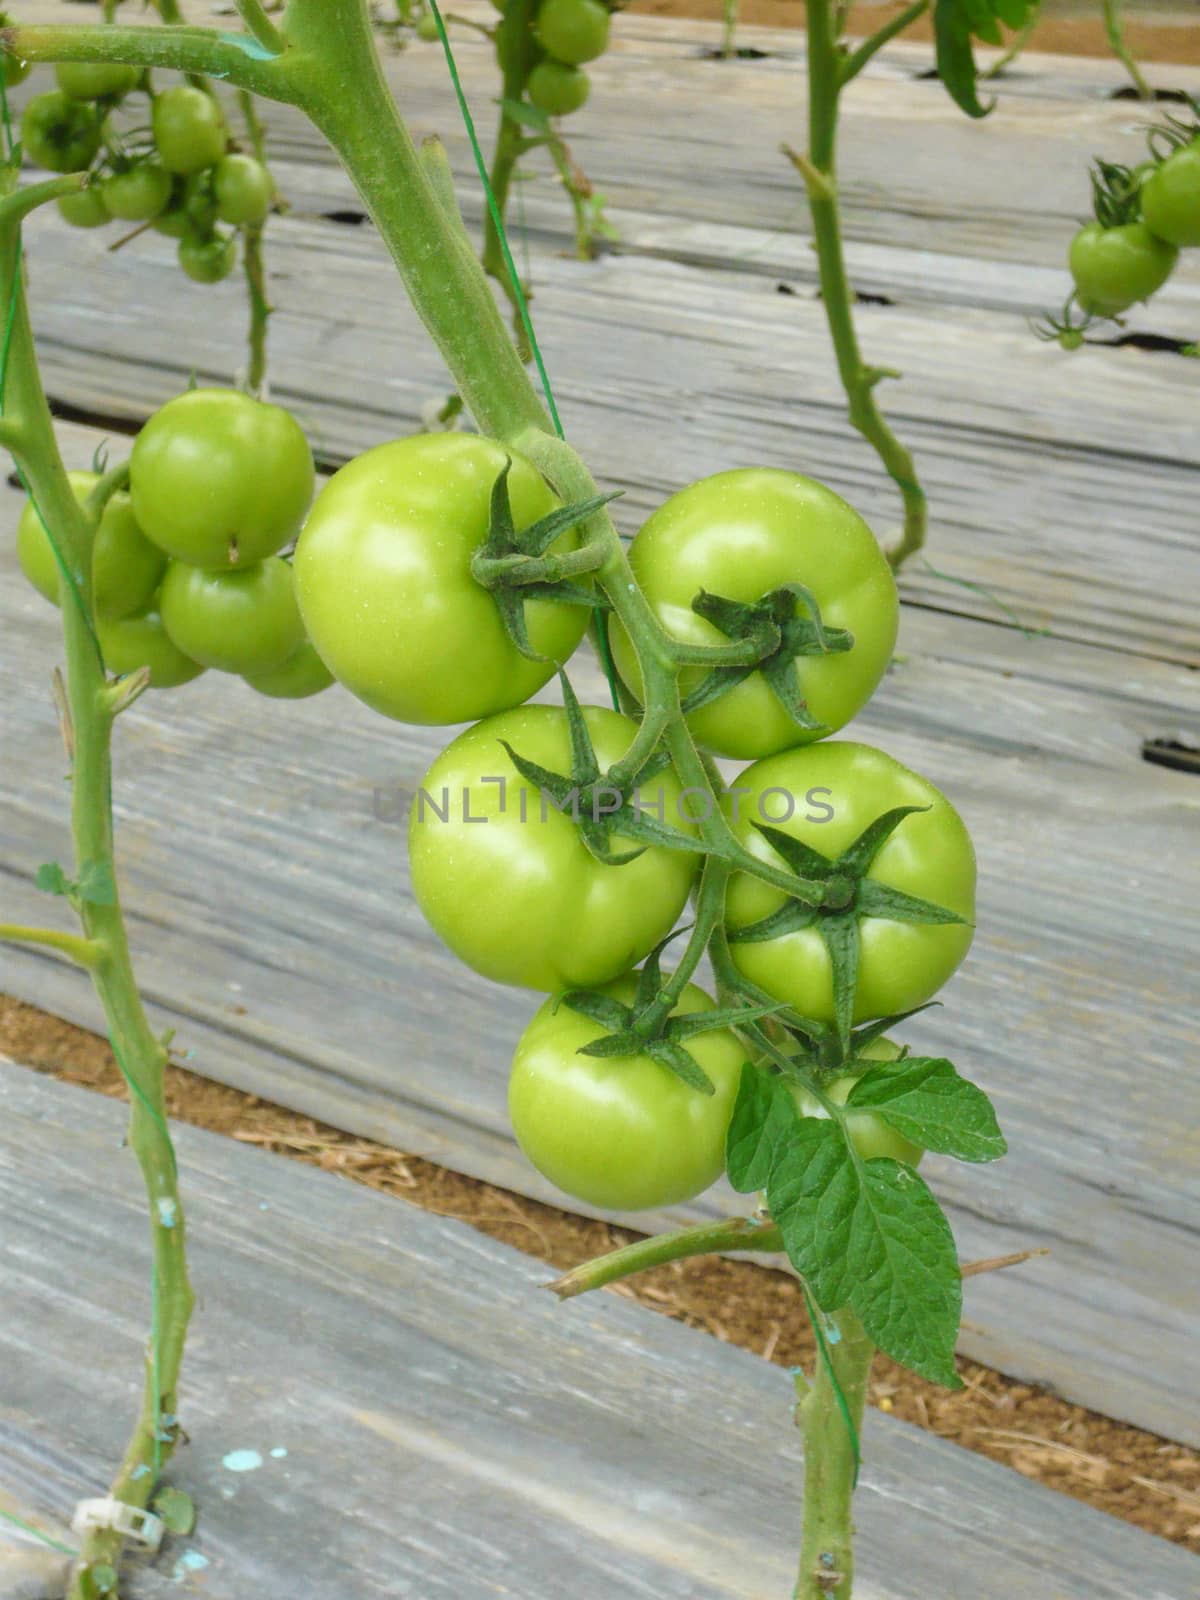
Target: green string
42, 1538
814, 1317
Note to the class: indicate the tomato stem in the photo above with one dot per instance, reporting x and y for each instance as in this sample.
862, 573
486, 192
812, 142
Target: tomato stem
1114, 26
706, 1238
830, 1416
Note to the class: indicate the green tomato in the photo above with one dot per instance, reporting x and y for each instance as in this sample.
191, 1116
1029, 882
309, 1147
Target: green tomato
243, 190
139, 193
383, 571
573, 31
95, 80
86, 208
15, 71
243, 621
519, 897
126, 567
742, 534
621, 1132
189, 130
826, 795
301, 675
1114, 268
557, 89
208, 260
59, 133
141, 641
869, 1132
219, 479
1171, 197
427, 28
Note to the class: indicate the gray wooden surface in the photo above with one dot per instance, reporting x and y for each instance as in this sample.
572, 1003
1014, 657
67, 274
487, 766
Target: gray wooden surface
449, 1429
263, 848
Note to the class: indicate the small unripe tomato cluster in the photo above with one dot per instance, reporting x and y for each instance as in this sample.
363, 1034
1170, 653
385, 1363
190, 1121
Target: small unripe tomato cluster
186, 572
1116, 267
185, 184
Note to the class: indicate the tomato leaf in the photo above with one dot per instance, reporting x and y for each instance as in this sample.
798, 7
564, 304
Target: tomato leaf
955, 56
924, 1098
97, 886
174, 1508
764, 1124
51, 879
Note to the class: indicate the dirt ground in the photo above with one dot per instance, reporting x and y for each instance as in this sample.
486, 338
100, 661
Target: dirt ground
1169, 34
1144, 1479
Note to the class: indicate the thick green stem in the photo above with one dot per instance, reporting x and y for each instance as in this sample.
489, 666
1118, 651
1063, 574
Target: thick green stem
827, 70
90, 711
1115, 28
707, 1238
830, 1460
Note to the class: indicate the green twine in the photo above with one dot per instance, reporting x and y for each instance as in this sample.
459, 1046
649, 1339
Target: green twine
36, 1533
814, 1317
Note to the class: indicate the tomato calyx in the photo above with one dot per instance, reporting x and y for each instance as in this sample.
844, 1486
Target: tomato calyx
774, 633
849, 894
599, 808
517, 566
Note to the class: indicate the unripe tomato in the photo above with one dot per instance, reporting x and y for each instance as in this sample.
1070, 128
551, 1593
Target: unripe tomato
1114, 268
427, 28
189, 130
243, 190
139, 193
383, 572
557, 89
15, 70
621, 1132
573, 31
243, 621
126, 567
741, 535
95, 80
826, 795
60, 133
1171, 197
869, 1132
208, 260
301, 675
141, 641
86, 208
556, 917
219, 479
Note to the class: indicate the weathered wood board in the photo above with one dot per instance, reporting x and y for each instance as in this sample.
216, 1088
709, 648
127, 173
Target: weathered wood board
449, 1430
266, 881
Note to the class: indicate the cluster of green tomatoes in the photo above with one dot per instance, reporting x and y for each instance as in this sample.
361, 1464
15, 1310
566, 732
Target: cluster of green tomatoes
1144, 216
382, 595
181, 175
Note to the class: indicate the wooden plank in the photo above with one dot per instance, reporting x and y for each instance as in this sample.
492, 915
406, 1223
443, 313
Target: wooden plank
265, 878
449, 1430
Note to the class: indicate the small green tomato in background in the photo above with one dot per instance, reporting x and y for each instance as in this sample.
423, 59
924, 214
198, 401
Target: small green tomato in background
245, 621
869, 1132
139, 193
85, 209
573, 31
95, 80
621, 1132
300, 676
383, 572
220, 479
242, 189
826, 795
520, 898
744, 534
141, 641
15, 71
126, 567
1170, 197
427, 28
189, 130
1114, 268
557, 89
59, 133
208, 260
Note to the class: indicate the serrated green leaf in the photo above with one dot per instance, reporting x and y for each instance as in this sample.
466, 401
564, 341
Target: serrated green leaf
955, 57
175, 1509
926, 1100
764, 1124
51, 879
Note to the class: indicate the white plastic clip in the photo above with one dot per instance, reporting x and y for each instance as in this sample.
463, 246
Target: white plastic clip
142, 1527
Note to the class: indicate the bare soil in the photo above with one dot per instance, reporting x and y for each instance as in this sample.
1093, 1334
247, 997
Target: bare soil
1167, 35
1130, 1474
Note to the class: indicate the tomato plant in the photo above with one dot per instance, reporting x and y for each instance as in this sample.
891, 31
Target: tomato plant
189, 130
60, 133
573, 31
1170, 197
621, 1132
94, 80
871, 1135
558, 89
126, 567
1114, 268
244, 621
85, 208
137, 193
743, 535
207, 260
129, 643
219, 479
242, 189
383, 572
301, 675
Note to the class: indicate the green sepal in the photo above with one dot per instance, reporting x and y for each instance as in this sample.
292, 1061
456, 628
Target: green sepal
881, 900
694, 1022
624, 1039
601, 1008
